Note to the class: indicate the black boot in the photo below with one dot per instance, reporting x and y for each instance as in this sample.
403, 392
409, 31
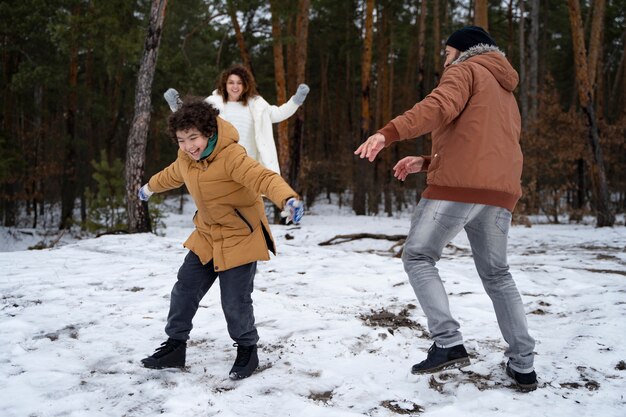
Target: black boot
171, 354
525, 382
247, 361
439, 359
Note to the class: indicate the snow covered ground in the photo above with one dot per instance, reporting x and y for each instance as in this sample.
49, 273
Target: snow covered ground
340, 327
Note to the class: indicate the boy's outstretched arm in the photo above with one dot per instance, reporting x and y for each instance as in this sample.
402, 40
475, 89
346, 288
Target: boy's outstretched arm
254, 176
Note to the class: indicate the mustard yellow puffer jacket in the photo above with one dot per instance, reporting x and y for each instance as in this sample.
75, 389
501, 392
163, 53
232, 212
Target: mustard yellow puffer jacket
231, 227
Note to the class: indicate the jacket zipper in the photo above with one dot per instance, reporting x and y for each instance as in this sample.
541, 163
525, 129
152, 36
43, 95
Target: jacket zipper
244, 219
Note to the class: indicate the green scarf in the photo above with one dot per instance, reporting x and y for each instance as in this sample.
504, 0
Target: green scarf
210, 147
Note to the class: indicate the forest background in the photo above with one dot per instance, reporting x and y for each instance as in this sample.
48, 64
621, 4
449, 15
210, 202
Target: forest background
82, 119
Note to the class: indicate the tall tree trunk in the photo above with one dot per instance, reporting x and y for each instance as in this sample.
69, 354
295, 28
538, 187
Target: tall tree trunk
88, 152
138, 219
436, 41
623, 115
116, 105
39, 139
533, 47
421, 41
481, 14
284, 153
8, 209
302, 36
595, 43
409, 93
358, 203
380, 177
620, 77
598, 174
522, 66
509, 18
68, 183
387, 101
291, 56
245, 56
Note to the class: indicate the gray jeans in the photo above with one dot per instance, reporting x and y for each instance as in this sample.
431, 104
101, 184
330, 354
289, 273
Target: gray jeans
195, 280
434, 224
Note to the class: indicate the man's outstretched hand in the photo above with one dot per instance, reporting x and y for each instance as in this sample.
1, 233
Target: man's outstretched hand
371, 147
408, 165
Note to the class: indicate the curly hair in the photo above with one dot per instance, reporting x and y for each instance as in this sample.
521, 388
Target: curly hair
194, 112
249, 85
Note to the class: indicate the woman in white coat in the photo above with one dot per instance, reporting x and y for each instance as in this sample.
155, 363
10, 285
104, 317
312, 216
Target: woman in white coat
239, 103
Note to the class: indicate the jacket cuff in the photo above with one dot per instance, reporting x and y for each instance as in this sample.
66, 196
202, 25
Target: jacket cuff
427, 159
390, 133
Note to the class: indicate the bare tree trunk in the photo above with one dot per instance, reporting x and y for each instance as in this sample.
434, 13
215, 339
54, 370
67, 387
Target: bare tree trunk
595, 43
481, 14
88, 152
522, 66
68, 183
381, 65
533, 46
115, 107
598, 174
623, 77
436, 41
409, 91
8, 209
291, 57
302, 36
599, 89
245, 56
138, 219
358, 203
620, 77
509, 18
380, 179
37, 149
387, 102
421, 40
284, 153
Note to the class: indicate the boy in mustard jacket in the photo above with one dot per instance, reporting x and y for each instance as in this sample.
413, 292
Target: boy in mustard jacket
231, 231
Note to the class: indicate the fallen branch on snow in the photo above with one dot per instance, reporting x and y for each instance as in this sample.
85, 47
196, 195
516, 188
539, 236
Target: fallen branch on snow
355, 236
348, 238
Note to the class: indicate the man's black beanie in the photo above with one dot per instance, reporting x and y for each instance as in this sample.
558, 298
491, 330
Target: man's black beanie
468, 36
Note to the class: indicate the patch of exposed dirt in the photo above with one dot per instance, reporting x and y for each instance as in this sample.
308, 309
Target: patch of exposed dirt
324, 397
402, 407
390, 320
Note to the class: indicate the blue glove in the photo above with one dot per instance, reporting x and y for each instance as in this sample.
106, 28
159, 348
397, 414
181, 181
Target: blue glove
173, 99
293, 211
144, 193
301, 93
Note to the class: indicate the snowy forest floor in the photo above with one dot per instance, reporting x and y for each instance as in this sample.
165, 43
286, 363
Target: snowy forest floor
340, 327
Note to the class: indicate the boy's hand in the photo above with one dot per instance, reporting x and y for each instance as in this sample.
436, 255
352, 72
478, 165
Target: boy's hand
144, 193
293, 211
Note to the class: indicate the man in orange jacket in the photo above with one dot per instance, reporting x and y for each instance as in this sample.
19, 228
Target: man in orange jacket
473, 177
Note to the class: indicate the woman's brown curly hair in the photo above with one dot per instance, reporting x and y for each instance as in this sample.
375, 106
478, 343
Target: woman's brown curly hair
194, 112
249, 85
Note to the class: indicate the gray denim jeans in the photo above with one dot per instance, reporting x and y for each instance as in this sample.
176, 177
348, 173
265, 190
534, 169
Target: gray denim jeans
434, 224
195, 280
